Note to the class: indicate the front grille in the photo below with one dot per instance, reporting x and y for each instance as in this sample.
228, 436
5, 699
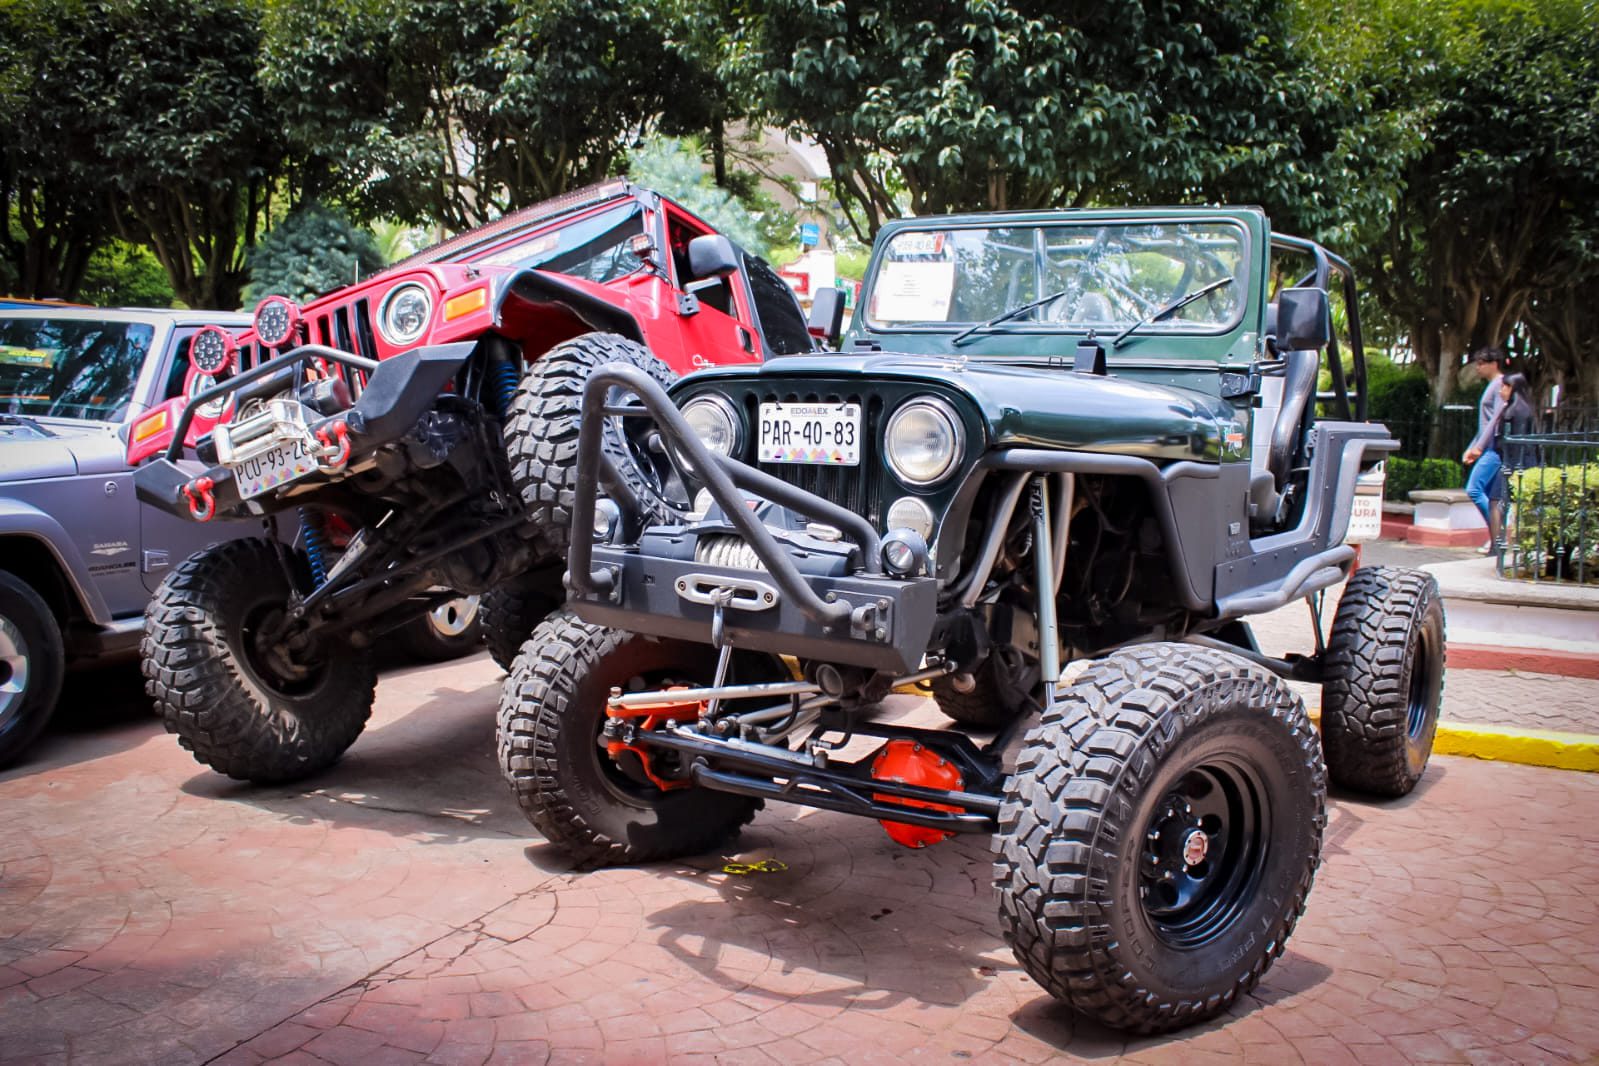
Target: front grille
856, 488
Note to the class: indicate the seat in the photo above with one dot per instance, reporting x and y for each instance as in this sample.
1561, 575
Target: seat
1268, 484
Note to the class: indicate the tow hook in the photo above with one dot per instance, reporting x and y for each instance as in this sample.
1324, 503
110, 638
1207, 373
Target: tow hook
202, 503
325, 435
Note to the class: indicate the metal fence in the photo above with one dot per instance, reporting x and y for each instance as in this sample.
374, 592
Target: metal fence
1551, 501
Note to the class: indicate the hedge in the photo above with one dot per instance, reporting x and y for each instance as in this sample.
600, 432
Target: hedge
1554, 521
1405, 475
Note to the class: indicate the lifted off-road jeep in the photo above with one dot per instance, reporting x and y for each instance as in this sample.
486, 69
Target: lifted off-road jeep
1098, 442
424, 424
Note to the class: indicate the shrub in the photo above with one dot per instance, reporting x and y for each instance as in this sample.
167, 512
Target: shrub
1554, 520
1405, 475
312, 251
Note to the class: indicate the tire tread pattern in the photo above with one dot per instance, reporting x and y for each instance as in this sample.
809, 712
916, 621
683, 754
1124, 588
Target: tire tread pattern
1072, 797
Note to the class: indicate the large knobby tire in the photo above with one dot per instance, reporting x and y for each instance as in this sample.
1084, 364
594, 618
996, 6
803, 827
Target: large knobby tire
1384, 681
995, 696
1159, 835
552, 709
31, 666
541, 435
509, 612
218, 688
449, 631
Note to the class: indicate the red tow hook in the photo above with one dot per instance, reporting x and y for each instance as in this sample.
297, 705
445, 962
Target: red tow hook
202, 504
342, 432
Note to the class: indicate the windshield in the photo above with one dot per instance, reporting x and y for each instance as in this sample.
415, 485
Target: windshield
594, 248
1107, 276
70, 367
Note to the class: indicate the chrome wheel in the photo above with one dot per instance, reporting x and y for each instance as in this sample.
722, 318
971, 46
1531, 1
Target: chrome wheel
455, 617
13, 670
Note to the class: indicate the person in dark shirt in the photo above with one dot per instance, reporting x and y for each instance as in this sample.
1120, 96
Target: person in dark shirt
1482, 451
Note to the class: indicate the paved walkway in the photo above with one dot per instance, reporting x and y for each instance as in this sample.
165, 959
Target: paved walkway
399, 910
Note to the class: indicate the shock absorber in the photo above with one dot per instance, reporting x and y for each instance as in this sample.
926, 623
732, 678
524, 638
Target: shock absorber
506, 378
315, 545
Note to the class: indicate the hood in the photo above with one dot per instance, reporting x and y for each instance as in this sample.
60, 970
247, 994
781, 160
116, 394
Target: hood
1039, 404
58, 447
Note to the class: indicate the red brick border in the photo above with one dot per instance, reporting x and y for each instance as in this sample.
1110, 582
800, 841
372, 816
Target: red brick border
1527, 660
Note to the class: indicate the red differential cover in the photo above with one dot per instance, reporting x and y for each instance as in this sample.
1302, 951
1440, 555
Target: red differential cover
907, 762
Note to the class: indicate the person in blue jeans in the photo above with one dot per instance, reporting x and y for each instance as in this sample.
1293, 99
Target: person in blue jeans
1483, 484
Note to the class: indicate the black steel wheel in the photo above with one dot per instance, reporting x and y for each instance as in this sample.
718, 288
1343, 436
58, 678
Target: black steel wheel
31, 666
600, 810
541, 435
1384, 681
1159, 835
243, 704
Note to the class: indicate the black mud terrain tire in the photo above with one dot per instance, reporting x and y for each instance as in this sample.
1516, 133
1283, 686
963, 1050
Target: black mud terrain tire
31, 666
510, 611
995, 697
1159, 835
225, 696
541, 434
1385, 680
449, 631
552, 709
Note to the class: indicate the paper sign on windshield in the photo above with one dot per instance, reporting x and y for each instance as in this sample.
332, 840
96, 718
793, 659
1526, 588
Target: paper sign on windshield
913, 292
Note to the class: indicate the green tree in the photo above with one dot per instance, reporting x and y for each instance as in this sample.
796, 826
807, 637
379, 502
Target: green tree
120, 274
312, 251
968, 104
1493, 182
454, 112
675, 168
53, 211
191, 144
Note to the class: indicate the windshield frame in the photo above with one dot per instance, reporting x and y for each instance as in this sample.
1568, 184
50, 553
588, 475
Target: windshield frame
1028, 326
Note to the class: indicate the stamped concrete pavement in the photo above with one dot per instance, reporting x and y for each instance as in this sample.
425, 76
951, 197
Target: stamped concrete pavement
398, 909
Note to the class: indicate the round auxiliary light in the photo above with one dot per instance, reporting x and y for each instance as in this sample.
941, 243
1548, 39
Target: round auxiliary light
904, 552
714, 422
276, 321
923, 441
212, 350
405, 314
908, 512
607, 516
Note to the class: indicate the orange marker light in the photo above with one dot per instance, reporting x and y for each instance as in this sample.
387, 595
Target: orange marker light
150, 425
466, 303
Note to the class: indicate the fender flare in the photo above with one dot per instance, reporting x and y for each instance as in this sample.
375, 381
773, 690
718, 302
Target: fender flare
18, 519
538, 288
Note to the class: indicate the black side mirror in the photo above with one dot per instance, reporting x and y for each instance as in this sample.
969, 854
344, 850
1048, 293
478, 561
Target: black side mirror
711, 256
1304, 321
827, 315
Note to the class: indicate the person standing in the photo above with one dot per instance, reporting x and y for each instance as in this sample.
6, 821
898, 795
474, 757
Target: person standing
1482, 485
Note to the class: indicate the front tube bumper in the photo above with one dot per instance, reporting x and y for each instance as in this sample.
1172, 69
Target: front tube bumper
867, 618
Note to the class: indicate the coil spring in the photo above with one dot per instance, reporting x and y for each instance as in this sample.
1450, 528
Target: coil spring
311, 536
506, 378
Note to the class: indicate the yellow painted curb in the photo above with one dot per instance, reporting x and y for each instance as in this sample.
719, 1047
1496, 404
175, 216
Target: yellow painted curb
1534, 747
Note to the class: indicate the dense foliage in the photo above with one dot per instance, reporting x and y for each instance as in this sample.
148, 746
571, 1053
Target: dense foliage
1450, 150
312, 251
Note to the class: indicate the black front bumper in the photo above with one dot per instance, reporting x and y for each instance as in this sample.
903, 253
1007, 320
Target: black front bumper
792, 596
398, 392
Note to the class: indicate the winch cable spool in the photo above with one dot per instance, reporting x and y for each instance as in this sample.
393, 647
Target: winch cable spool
311, 536
909, 762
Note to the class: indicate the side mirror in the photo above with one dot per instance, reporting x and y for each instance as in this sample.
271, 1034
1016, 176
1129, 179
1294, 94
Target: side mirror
827, 315
1304, 321
711, 256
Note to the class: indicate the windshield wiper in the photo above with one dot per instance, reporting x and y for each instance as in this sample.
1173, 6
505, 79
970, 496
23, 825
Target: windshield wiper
1008, 315
24, 420
1170, 309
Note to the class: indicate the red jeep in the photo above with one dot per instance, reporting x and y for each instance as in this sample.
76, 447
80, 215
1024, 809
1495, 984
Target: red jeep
424, 423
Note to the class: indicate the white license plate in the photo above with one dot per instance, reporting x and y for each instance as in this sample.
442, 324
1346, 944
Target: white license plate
821, 434
285, 463
1365, 520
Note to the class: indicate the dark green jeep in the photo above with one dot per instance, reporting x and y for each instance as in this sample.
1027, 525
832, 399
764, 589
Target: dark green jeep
1088, 438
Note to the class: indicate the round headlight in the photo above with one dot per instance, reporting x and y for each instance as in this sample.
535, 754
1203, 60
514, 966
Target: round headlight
405, 315
275, 320
212, 350
923, 441
714, 422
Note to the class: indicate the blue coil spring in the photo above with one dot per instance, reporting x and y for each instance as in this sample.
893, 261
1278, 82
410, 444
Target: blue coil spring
311, 536
506, 378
